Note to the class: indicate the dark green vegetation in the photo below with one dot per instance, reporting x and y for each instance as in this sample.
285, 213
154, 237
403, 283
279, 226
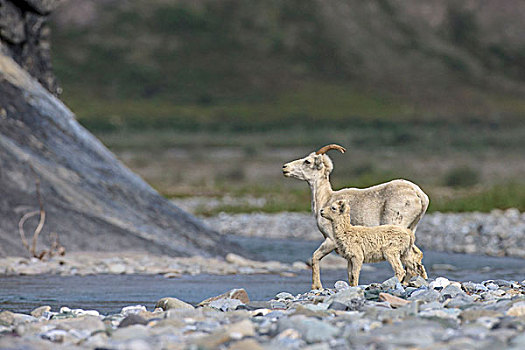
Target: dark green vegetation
211, 97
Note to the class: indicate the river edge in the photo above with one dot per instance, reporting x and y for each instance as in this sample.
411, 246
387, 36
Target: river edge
498, 233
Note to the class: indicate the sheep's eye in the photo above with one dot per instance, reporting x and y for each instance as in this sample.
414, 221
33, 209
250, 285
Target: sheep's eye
307, 162
334, 208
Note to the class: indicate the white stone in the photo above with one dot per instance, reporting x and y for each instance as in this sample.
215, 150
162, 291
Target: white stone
439, 282
80, 312
133, 309
65, 310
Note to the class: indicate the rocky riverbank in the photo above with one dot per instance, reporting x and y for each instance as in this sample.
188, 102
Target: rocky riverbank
498, 233
434, 314
90, 263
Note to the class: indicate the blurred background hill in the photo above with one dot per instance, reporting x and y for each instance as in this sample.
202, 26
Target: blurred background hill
209, 98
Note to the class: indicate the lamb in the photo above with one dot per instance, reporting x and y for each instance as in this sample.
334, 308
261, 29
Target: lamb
358, 244
397, 202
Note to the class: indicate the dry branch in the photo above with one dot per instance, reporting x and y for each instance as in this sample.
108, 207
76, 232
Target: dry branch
55, 246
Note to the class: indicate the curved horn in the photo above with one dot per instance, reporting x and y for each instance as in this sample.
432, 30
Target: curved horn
326, 148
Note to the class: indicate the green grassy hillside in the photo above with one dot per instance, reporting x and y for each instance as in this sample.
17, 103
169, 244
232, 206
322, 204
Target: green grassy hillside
427, 90
197, 64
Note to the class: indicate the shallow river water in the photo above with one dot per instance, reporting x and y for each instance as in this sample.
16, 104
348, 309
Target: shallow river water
109, 293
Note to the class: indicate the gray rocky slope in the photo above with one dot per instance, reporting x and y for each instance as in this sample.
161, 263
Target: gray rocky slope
91, 199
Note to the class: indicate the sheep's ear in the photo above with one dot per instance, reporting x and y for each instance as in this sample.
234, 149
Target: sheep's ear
319, 162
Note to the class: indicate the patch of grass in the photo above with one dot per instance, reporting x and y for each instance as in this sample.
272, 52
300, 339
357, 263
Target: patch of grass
461, 177
277, 199
498, 197
312, 105
504, 196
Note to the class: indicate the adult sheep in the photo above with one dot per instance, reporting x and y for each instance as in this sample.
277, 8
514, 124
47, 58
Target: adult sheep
398, 202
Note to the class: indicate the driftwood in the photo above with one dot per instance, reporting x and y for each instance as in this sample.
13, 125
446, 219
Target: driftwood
55, 247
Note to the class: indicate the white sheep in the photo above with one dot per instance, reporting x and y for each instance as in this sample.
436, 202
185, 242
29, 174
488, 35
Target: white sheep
398, 202
362, 244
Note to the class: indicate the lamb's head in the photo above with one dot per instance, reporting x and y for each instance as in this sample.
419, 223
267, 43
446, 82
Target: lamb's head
338, 210
314, 166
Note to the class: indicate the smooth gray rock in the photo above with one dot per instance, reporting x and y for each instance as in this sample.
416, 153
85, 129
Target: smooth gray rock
439, 283
7, 318
503, 283
173, 303
340, 285
441, 313
254, 305
311, 329
56, 335
285, 296
96, 201
425, 295
391, 283
275, 304
335, 305
136, 331
132, 309
417, 281
431, 305
459, 301
39, 311
225, 304
518, 342
132, 320
415, 333
352, 297
451, 291
492, 286
472, 287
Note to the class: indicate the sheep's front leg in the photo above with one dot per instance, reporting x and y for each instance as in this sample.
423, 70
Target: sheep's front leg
357, 264
324, 249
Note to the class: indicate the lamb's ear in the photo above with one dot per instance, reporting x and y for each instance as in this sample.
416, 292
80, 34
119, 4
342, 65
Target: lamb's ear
345, 207
342, 206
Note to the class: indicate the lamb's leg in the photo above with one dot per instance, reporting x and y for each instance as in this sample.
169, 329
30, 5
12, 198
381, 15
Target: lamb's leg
349, 270
357, 264
324, 249
395, 261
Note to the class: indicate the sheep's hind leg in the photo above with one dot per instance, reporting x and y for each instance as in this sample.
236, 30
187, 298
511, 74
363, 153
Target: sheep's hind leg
324, 249
395, 261
421, 270
349, 271
413, 263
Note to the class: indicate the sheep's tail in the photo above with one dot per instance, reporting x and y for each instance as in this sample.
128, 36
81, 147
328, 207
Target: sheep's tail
415, 253
424, 206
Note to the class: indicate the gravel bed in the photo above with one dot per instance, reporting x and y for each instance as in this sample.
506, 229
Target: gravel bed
435, 314
90, 263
